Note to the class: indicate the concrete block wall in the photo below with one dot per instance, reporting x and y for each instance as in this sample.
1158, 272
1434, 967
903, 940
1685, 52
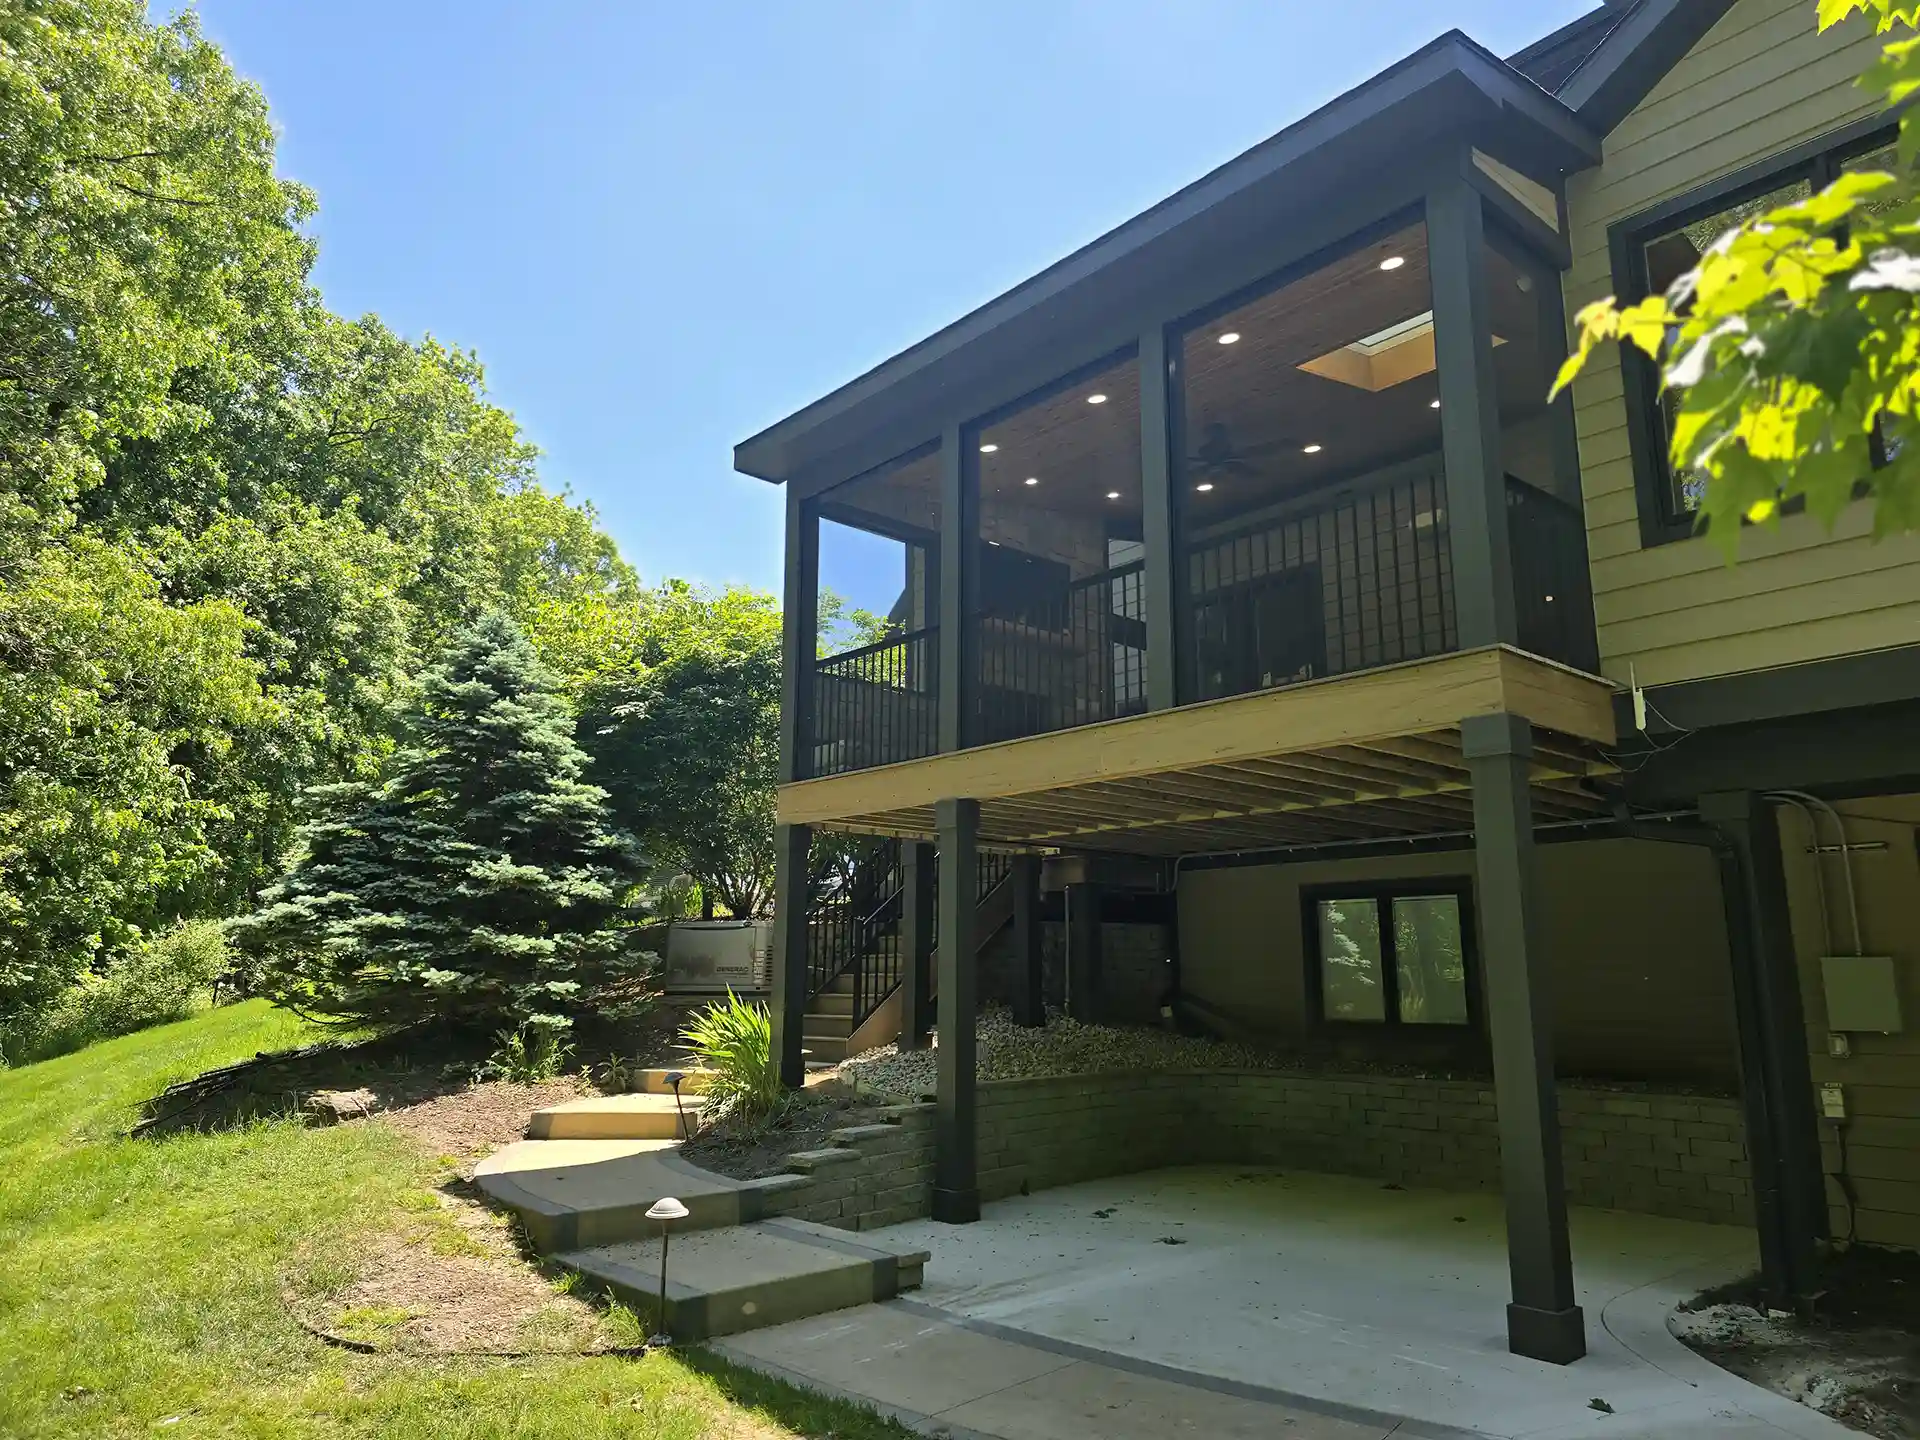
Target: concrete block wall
873, 1175
1677, 1156
1036, 1134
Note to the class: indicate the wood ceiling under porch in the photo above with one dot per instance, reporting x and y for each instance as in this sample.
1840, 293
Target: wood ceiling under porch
1370, 756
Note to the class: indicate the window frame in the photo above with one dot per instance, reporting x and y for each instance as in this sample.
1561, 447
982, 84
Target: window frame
1817, 161
1383, 893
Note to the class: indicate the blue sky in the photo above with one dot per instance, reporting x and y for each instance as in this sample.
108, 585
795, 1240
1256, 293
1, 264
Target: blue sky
664, 226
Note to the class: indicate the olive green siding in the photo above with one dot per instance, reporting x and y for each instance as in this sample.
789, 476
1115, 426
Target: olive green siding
1636, 932
1882, 1075
1759, 83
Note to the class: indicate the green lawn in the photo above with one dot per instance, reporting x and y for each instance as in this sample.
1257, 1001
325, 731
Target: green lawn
140, 1280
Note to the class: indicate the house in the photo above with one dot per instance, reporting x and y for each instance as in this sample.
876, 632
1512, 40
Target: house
1244, 570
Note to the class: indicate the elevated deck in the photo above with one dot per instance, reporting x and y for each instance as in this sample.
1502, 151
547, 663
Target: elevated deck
1348, 758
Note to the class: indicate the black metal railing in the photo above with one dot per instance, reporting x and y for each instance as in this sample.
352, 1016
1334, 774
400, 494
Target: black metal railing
876, 705
1362, 581
854, 927
1552, 591
1053, 660
854, 923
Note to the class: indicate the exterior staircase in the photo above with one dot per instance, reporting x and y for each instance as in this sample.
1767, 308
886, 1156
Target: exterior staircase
734, 1262
857, 950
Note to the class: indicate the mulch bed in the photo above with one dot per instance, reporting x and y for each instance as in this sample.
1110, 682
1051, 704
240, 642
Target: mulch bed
1856, 1357
806, 1122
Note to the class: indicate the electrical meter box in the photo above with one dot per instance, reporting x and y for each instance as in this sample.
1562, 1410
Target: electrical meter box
1863, 993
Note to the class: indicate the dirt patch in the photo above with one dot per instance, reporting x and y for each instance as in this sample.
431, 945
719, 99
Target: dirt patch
451, 1279
1855, 1356
806, 1122
468, 1125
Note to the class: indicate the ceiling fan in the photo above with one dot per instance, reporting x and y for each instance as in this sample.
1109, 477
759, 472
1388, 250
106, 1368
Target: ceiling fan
1218, 456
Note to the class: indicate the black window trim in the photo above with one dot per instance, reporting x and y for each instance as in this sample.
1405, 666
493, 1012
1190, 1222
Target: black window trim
1383, 893
1818, 161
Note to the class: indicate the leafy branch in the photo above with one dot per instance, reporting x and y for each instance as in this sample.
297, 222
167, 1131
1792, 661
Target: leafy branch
1792, 349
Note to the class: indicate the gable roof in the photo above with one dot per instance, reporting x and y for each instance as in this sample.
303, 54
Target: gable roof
1647, 39
1551, 61
1557, 97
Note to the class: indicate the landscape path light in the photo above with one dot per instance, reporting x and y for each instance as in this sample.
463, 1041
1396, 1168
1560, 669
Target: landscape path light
666, 1210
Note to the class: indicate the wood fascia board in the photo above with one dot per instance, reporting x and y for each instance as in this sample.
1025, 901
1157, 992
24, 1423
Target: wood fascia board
1413, 698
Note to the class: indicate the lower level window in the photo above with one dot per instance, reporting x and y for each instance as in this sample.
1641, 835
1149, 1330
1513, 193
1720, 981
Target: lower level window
1392, 958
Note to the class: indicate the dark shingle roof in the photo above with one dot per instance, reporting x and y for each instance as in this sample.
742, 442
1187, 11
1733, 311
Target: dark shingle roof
1551, 62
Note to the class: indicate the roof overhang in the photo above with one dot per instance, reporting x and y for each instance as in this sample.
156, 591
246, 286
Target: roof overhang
1449, 92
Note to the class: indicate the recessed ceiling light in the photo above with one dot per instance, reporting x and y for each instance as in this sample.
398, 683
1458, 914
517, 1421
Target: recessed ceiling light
1435, 405
1311, 450
1033, 479
1393, 262
1113, 494
1204, 486
988, 449
1096, 399
1232, 337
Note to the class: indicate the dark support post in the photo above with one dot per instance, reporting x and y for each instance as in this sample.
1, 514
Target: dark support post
792, 900
1483, 602
1776, 1081
1083, 951
1543, 1322
958, 527
1029, 1004
916, 936
956, 1175
1158, 520
799, 628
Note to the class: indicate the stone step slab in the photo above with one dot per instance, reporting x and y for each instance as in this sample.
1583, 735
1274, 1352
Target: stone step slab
619, 1117
723, 1282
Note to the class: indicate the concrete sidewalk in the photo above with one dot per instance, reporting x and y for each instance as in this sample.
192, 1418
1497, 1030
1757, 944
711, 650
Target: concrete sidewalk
945, 1376
1230, 1301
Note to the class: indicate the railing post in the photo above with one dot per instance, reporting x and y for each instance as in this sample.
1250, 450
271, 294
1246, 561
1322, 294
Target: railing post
958, 559
1159, 519
1470, 416
799, 633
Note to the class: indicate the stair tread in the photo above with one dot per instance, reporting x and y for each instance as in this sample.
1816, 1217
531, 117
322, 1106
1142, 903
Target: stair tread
724, 1281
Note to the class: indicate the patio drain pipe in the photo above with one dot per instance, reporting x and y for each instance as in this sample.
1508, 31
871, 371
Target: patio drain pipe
1788, 1265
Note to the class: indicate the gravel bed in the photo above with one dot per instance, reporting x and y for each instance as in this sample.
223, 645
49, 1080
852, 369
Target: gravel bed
1007, 1051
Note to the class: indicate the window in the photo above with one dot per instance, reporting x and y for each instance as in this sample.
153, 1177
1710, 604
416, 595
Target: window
1398, 956
1656, 248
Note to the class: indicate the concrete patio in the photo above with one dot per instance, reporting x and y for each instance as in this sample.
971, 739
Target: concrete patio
1254, 1301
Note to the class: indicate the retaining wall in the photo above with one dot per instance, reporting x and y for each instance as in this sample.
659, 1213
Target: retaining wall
1678, 1156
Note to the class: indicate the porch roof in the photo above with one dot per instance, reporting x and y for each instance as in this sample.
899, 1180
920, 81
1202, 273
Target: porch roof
1368, 756
1450, 90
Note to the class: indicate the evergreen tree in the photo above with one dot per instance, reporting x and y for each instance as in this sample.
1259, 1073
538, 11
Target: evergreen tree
476, 885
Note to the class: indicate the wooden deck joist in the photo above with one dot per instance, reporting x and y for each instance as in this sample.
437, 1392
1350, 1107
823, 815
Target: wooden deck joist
1357, 757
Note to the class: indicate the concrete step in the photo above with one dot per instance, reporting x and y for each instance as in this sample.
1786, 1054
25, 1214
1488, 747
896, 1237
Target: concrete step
824, 1049
721, 1282
619, 1117
831, 1002
827, 1023
576, 1194
693, 1079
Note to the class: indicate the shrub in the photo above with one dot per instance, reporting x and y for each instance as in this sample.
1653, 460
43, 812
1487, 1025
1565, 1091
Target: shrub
734, 1039
529, 1055
166, 978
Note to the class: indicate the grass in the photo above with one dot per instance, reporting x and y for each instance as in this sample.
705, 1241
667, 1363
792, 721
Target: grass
141, 1281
